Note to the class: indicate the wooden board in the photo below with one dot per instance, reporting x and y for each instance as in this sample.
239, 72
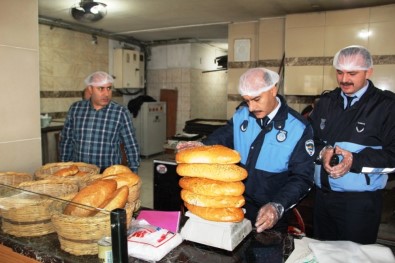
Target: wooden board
7, 255
170, 97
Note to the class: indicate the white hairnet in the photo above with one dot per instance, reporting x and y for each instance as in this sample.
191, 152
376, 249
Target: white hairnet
257, 80
353, 58
98, 78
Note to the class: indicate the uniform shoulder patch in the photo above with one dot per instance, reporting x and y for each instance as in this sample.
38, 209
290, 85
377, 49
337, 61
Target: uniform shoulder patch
309, 146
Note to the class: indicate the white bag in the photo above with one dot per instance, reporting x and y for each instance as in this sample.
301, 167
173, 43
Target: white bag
149, 242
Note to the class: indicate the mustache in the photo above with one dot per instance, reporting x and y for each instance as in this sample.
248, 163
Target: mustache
346, 83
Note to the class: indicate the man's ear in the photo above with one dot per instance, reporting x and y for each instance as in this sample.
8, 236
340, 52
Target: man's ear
369, 73
274, 91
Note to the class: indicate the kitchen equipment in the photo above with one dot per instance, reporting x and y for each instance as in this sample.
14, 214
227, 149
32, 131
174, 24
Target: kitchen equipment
150, 125
224, 235
166, 189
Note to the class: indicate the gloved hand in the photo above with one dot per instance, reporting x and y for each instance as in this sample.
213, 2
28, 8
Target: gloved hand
343, 167
267, 217
182, 145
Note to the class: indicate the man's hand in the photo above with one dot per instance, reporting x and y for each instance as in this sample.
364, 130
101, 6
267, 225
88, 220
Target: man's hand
182, 145
340, 169
267, 217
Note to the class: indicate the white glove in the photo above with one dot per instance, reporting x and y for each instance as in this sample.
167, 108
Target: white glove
268, 216
182, 145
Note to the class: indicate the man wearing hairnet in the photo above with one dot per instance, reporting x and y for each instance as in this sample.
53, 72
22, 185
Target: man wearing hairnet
276, 147
96, 127
354, 128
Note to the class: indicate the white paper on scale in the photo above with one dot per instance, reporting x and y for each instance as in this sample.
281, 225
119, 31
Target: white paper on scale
223, 235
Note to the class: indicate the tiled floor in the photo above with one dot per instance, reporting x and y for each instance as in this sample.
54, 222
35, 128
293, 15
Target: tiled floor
146, 173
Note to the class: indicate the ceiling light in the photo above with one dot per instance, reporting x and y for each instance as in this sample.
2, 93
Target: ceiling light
364, 34
88, 11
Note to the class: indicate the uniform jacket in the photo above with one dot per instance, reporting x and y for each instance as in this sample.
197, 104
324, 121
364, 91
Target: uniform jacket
278, 158
367, 129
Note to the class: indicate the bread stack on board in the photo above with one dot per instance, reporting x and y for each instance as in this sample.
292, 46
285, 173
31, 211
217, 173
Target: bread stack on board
211, 182
108, 193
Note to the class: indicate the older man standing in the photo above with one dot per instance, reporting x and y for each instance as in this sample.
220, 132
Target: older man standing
95, 128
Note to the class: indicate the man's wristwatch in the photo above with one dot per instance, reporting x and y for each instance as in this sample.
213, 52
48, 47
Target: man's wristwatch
279, 209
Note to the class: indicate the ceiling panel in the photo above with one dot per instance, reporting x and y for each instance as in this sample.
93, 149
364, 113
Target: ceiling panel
151, 21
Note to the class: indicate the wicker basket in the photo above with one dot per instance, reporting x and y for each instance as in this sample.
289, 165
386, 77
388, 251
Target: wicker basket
47, 171
28, 215
14, 178
79, 235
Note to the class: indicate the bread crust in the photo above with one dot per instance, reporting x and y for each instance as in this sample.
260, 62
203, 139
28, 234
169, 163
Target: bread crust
68, 171
116, 169
212, 201
117, 199
227, 214
208, 154
221, 172
122, 179
211, 187
92, 195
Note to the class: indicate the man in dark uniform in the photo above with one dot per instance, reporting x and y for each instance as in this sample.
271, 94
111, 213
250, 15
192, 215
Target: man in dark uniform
354, 127
276, 147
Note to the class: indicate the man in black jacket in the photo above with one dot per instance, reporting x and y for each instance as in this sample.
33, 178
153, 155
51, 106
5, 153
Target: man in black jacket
354, 129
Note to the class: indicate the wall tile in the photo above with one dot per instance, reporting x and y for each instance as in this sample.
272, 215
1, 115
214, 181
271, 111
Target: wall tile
303, 80
381, 42
347, 17
305, 42
271, 38
337, 37
382, 13
18, 32
305, 20
383, 77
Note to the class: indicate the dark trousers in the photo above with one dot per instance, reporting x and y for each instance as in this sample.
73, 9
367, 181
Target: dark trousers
353, 216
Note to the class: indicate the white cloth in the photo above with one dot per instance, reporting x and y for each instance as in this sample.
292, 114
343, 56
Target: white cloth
314, 251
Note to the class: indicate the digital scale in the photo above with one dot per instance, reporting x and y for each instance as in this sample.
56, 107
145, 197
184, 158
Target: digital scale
224, 235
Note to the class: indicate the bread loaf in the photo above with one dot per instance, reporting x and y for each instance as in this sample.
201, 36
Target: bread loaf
81, 173
116, 169
208, 154
117, 199
68, 171
92, 195
210, 187
228, 214
122, 179
212, 201
221, 172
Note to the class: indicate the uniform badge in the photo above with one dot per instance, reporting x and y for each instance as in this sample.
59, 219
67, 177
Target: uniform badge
360, 127
322, 124
243, 126
309, 146
281, 136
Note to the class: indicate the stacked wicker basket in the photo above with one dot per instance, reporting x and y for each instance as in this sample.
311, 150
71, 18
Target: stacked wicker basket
36, 207
27, 214
79, 235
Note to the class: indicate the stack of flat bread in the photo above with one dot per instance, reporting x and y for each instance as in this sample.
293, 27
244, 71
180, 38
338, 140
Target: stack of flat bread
211, 182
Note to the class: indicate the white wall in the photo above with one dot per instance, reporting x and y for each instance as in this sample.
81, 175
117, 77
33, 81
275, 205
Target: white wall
20, 133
